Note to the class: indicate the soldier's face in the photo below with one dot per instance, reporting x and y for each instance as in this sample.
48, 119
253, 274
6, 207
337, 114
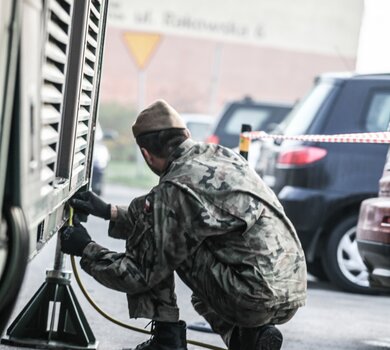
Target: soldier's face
156, 164
154, 169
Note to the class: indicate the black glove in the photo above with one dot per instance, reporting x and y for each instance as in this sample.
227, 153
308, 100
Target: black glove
79, 216
86, 203
74, 239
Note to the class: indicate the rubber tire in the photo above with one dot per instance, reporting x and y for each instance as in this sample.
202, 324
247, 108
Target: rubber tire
329, 258
316, 269
16, 263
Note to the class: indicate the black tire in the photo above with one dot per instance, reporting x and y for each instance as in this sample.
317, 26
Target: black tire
341, 258
16, 251
316, 269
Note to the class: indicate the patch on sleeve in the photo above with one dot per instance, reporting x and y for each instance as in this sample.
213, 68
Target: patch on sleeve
147, 206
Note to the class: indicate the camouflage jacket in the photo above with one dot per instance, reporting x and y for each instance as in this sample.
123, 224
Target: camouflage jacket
207, 197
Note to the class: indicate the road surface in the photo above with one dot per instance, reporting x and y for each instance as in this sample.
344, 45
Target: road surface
331, 320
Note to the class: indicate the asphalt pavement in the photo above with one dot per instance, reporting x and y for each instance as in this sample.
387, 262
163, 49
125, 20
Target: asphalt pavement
331, 320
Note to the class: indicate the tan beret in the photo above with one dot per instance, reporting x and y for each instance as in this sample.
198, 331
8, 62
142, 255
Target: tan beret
158, 116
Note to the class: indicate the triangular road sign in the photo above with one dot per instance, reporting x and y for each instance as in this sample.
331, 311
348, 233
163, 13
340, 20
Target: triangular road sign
142, 46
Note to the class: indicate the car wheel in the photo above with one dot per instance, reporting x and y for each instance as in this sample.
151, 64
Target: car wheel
342, 261
316, 269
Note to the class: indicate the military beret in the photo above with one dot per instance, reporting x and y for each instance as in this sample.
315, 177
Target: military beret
158, 116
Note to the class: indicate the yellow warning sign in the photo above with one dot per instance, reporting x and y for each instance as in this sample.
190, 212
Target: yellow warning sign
142, 46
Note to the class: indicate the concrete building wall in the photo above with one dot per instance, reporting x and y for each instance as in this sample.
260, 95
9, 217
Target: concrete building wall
182, 71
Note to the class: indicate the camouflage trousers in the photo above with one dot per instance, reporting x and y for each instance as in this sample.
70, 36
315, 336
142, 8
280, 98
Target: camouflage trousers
221, 308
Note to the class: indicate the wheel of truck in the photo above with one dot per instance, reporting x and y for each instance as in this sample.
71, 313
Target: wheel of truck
14, 250
341, 259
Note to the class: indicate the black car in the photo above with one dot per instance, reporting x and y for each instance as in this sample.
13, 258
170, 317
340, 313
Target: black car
260, 115
321, 185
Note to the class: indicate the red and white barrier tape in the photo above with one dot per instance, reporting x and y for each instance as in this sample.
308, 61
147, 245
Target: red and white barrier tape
370, 137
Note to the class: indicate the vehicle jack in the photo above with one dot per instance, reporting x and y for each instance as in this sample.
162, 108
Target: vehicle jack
53, 318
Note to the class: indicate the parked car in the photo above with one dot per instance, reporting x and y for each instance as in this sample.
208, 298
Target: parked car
100, 159
260, 115
321, 185
373, 233
200, 125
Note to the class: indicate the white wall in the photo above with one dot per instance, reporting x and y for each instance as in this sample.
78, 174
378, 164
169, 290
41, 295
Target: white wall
374, 41
317, 26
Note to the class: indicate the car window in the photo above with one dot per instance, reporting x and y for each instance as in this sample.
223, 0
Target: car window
199, 131
254, 117
378, 115
303, 114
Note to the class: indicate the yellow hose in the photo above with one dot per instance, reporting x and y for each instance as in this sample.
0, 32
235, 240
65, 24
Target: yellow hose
119, 323
109, 317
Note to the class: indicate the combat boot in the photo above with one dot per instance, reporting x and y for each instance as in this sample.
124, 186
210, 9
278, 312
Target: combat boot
266, 337
165, 336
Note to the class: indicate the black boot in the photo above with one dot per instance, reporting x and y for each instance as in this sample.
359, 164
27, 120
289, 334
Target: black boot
270, 338
266, 337
165, 336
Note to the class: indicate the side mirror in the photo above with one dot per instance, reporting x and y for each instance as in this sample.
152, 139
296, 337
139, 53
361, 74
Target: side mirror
271, 127
110, 134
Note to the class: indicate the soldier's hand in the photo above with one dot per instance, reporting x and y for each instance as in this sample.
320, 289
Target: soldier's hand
79, 217
74, 239
86, 203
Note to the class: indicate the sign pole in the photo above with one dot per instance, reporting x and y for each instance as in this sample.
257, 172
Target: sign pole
140, 106
216, 72
141, 46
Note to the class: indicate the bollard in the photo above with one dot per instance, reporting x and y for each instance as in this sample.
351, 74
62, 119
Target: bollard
244, 140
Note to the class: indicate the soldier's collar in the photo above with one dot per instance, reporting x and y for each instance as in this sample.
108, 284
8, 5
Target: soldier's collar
183, 148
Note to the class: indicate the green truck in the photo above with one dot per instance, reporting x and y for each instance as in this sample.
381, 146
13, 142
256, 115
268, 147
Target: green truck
50, 68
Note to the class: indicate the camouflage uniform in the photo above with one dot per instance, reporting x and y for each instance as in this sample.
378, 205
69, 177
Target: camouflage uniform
213, 221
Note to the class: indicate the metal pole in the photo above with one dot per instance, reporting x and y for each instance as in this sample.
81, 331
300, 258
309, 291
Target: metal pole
215, 75
141, 89
59, 258
141, 106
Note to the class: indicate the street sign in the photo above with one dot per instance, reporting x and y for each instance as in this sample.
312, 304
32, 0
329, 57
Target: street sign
328, 27
142, 46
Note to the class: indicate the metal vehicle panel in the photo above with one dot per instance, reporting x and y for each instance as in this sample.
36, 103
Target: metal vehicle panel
50, 66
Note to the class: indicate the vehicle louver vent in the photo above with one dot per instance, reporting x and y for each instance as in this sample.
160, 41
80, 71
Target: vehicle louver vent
87, 86
54, 66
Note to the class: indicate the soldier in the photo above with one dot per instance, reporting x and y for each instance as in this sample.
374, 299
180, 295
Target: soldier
213, 221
